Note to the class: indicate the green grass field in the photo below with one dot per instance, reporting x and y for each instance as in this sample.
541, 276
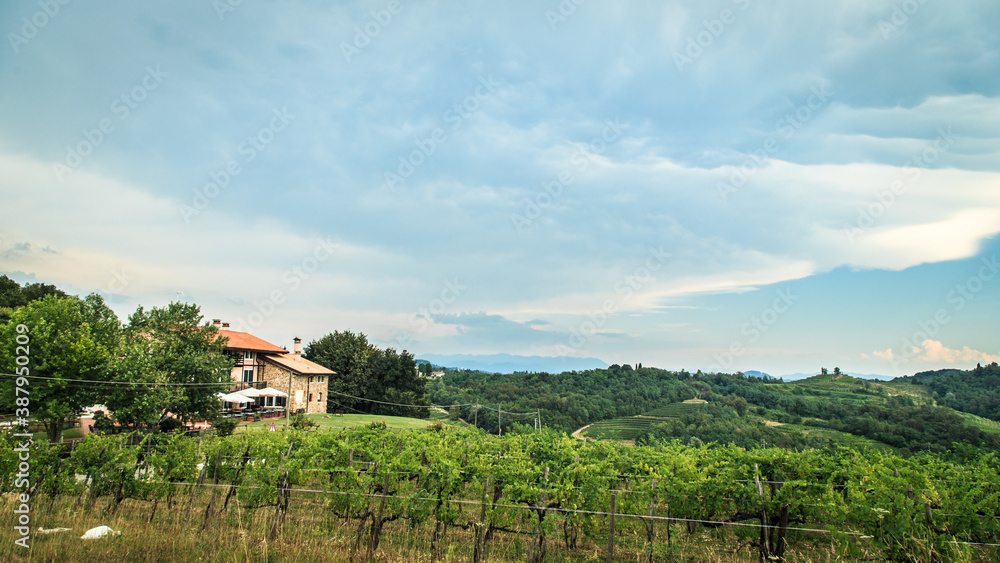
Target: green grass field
347, 421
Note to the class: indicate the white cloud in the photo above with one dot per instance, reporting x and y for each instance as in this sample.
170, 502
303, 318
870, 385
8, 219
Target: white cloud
655, 186
935, 353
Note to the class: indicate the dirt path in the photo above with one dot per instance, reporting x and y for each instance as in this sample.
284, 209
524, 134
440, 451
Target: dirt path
577, 433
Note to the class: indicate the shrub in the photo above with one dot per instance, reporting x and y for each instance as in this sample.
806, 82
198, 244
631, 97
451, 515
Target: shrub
170, 424
225, 426
300, 422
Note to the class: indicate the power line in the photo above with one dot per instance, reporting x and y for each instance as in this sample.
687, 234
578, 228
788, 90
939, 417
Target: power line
397, 404
106, 382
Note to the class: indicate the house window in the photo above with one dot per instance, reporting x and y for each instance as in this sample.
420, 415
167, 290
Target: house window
248, 355
319, 398
247, 375
320, 379
310, 397
310, 379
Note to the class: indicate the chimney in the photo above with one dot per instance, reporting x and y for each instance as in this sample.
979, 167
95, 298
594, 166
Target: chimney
225, 326
216, 322
297, 348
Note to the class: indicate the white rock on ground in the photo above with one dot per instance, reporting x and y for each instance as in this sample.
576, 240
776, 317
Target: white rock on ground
42, 530
99, 532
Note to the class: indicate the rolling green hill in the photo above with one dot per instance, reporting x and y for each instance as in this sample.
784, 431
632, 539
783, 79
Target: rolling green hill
621, 403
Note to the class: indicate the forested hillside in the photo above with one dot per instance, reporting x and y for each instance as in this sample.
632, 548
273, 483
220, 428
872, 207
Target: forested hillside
975, 391
742, 410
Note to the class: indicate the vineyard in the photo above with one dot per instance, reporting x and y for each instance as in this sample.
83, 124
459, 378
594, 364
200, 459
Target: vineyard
632, 427
457, 494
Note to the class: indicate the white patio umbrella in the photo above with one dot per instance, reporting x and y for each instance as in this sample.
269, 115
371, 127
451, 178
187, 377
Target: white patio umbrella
249, 392
272, 392
235, 398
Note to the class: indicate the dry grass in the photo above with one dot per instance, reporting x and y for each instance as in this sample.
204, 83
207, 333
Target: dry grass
311, 535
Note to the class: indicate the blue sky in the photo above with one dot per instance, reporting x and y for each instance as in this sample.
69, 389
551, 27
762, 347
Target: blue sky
734, 184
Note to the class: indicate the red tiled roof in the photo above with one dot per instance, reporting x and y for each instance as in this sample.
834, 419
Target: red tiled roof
246, 341
299, 365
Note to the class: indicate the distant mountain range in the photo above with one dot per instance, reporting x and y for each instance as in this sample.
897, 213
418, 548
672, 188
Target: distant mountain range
508, 363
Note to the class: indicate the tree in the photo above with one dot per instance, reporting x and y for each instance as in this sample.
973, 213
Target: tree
63, 349
350, 356
396, 381
143, 396
163, 348
366, 372
12, 295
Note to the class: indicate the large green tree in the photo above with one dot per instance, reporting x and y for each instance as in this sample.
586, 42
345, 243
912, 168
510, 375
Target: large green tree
12, 295
63, 348
178, 360
368, 373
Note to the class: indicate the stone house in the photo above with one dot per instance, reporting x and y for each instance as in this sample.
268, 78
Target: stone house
258, 363
304, 381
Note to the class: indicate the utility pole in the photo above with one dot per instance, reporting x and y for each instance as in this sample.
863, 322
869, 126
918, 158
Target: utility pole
288, 400
499, 426
538, 418
476, 419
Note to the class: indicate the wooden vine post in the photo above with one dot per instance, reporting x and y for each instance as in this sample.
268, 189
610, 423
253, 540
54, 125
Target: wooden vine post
764, 544
650, 534
215, 485
537, 552
771, 545
201, 479
368, 513
236, 479
375, 533
281, 501
611, 529
156, 499
479, 551
669, 522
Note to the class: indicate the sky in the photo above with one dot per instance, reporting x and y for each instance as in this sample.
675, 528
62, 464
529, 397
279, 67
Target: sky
722, 185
